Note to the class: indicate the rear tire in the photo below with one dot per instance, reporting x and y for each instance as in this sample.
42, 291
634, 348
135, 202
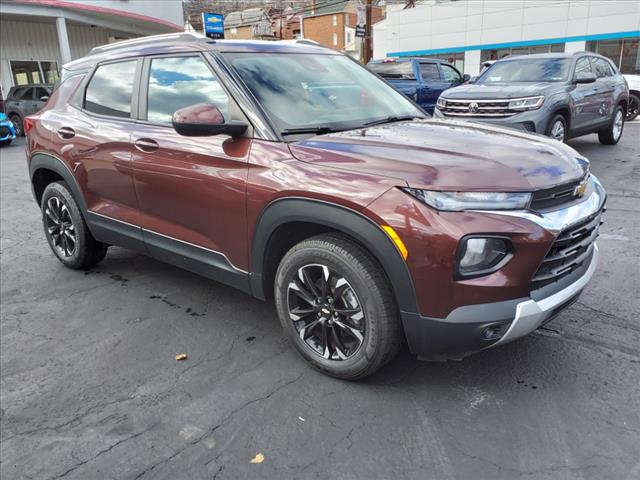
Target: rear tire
66, 231
613, 133
348, 327
634, 107
17, 123
557, 128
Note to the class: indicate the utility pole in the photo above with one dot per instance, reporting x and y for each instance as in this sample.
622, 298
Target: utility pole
368, 35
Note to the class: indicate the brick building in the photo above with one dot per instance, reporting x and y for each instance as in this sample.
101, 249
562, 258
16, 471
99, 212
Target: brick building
252, 23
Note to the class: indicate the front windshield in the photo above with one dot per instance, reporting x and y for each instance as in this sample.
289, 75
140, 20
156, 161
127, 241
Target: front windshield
300, 90
527, 70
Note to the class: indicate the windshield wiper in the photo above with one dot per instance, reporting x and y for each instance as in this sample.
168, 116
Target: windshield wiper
319, 130
390, 119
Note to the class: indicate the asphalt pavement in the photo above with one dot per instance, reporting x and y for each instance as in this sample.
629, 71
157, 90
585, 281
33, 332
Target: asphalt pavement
90, 388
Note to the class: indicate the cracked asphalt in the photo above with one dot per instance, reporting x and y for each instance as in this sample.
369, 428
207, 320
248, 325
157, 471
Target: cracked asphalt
90, 388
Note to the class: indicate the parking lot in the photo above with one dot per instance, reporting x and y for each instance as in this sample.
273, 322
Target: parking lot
90, 387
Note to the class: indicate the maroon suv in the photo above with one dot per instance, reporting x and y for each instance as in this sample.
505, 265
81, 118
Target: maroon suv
290, 171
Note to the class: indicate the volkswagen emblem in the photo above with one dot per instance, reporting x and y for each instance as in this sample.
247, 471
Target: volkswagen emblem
473, 107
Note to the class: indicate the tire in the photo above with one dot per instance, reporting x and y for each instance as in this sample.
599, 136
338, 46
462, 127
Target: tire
557, 128
5, 142
613, 133
634, 107
17, 123
75, 247
361, 325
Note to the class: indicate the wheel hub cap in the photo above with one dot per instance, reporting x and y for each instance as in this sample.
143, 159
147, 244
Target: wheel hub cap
59, 227
326, 312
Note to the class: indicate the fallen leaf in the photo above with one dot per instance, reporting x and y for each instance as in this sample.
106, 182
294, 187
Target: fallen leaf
259, 458
181, 356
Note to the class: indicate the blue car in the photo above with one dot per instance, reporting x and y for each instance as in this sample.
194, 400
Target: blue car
421, 79
7, 130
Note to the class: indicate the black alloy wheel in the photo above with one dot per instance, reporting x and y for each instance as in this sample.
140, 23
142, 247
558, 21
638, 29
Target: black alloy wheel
326, 312
634, 107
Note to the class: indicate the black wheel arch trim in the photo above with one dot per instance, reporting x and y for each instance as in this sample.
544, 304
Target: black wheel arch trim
49, 162
350, 222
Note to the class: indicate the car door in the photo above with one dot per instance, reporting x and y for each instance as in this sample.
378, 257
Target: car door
22, 100
584, 97
191, 190
606, 88
431, 87
93, 136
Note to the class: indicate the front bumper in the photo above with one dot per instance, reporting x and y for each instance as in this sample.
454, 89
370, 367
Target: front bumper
471, 328
532, 121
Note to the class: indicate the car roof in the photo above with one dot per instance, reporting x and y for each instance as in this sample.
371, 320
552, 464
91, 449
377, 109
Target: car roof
408, 59
551, 55
190, 42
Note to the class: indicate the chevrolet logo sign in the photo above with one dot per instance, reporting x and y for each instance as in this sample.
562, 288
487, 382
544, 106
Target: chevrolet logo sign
580, 189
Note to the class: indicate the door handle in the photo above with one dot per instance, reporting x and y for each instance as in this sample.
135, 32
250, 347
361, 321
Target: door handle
66, 133
146, 145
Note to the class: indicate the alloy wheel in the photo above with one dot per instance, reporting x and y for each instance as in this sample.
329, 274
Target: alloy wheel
634, 107
326, 312
617, 124
59, 227
557, 130
17, 124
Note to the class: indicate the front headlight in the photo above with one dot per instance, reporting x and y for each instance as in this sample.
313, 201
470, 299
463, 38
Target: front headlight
459, 201
529, 103
441, 102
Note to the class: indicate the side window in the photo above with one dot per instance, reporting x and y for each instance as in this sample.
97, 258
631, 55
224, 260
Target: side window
583, 65
178, 82
430, 72
450, 74
602, 68
41, 92
110, 89
26, 94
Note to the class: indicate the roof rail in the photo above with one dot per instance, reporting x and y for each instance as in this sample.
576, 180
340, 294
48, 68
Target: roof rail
165, 38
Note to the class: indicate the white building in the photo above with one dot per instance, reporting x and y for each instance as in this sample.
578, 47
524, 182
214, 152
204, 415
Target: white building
468, 32
38, 36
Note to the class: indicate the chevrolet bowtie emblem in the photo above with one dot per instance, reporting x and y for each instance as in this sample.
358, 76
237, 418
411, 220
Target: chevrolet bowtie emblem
580, 189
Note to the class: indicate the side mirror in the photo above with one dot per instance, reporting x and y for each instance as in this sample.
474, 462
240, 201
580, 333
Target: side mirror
585, 77
466, 78
203, 120
44, 98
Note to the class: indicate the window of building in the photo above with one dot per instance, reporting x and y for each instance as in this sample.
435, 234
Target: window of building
430, 72
178, 82
625, 53
110, 89
335, 20
335, 39
499, 53
456, 58
50, 72
26, 72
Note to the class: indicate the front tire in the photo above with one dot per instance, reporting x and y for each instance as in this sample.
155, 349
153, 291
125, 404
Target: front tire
612, 134
557, 128
335, 304
5, 142
17, 124
66, 231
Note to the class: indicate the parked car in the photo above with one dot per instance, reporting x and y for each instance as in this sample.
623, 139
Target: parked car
421, 79
365, 220
24, 100
7, 130
634, 96
561, 95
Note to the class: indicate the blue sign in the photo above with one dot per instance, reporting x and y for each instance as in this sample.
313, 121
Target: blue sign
213, 24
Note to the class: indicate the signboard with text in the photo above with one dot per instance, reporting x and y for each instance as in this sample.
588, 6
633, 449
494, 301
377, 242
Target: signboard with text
361, 20
213, 25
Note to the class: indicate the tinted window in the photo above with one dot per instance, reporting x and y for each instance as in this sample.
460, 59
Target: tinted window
527, 70
602, 68
178, 82
429, 72
401, 70
19, 92
583, 65
26, 94
110, 89
41, 92
450, 74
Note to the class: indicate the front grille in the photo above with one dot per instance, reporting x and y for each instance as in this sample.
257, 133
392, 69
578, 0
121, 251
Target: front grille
572, 247
555, 196
476, 108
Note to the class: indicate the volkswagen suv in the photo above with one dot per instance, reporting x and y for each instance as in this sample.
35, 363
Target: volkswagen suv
292, 173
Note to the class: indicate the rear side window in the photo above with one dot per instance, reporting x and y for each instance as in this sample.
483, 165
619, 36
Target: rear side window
393, 70
41, 92
430, 72
178, 82
602, 68
110, 89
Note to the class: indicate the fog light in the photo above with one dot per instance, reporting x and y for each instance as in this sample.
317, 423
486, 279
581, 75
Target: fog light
482, 255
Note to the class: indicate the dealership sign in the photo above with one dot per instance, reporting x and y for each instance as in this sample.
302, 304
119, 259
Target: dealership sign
213, 25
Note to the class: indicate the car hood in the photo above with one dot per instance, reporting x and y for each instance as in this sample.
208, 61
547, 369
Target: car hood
447, 155
499, 90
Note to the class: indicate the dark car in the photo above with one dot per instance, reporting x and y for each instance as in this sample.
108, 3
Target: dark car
421, 79
561, 95
24, 100
367, 222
